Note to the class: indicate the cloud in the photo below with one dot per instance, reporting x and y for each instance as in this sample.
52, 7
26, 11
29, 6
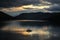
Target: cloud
14, 11
24, 7
15, 8
54, 1
54, 8
15, 3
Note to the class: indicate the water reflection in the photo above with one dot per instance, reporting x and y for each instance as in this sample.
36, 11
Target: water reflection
15, 30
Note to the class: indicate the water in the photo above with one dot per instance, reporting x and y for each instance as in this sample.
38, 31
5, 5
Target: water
8, 32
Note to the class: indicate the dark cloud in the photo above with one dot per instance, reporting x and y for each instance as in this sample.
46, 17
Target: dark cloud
54, 1
54, 8
13, 3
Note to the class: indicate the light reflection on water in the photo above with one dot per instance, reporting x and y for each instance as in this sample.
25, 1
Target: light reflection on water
38, 32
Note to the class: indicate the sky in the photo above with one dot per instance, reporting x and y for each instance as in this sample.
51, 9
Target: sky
16, 7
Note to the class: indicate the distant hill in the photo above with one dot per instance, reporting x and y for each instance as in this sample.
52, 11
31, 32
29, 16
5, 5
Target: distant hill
34, 16
38, 16
5, 17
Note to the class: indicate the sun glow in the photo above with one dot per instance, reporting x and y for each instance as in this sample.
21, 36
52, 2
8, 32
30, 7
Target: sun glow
36, 7
23, 31
24, 7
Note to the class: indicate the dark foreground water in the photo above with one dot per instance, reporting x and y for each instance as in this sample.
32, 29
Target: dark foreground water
8, 35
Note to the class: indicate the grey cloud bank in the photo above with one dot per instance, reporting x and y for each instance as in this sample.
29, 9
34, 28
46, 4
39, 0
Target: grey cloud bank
55, 7
14, 3
54, 1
